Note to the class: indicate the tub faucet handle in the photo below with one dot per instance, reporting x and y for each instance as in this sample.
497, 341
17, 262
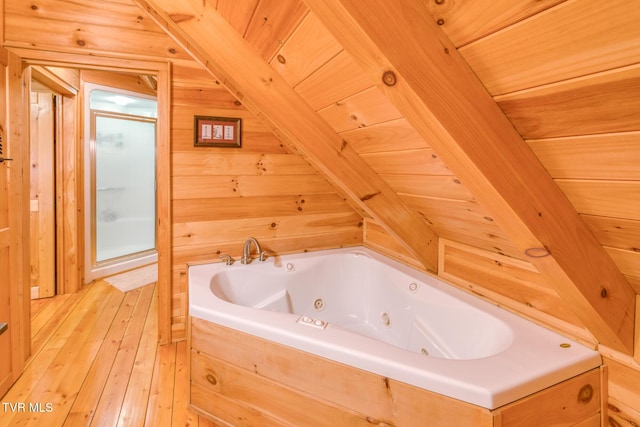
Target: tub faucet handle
263, 255
227, 259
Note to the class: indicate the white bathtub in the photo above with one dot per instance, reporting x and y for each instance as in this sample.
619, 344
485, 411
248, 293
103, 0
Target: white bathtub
365, 310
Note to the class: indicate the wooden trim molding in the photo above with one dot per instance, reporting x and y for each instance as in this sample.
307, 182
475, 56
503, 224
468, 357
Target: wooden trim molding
163, 193
68, 268
15, 133
636, 352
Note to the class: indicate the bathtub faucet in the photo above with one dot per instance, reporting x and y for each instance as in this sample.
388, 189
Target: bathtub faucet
246, 251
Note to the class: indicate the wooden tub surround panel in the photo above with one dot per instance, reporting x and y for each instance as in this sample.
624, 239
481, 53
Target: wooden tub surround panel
256, 382
498, 278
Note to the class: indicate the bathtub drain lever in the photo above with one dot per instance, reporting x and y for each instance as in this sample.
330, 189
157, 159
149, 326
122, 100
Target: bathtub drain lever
310, 321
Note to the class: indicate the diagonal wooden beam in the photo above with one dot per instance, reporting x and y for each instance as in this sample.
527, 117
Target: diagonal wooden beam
210, 39
420, 70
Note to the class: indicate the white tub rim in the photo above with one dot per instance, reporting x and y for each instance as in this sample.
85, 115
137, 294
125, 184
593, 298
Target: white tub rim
475, 381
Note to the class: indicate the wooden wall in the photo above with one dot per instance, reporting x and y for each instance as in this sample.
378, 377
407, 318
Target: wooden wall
219, 196
222, 196
573, 93
576, 106
566, 75
337, 88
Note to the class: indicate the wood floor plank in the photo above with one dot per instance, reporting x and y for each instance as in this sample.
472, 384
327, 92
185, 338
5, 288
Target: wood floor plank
81, 349
29, 379
96, 361
44, 308
73, 381
38, 304
159, 409
133, 410
85, 404
108, 410
181, 411
69, 340
69, 326
49, 319
62, 397
203, 422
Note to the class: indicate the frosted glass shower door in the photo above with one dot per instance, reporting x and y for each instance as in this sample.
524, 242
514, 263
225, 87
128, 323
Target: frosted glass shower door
124, 184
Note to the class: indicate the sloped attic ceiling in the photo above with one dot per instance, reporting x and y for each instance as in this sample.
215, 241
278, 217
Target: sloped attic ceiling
407, 57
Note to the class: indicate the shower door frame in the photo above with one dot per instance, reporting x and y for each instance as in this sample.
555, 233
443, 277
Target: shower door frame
144, 256
97, 270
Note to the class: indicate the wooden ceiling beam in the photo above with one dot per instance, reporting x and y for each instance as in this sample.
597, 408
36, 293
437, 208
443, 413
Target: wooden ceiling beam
420, 70
215, 44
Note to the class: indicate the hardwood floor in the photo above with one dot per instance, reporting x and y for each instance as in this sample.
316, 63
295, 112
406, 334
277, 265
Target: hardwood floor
96, 362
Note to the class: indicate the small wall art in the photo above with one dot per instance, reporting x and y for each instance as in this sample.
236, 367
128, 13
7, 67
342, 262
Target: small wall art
217, 131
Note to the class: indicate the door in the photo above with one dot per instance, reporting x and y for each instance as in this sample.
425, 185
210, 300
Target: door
42, 192
14, 301
120, 167
5, 270
124, 181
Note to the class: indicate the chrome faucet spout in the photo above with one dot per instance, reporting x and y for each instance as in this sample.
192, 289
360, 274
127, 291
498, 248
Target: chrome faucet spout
246, 250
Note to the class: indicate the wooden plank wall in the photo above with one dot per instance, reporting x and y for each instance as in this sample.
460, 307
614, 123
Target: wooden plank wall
338, 89
565, 73
577, 109
99, 28
219, 196
222, 196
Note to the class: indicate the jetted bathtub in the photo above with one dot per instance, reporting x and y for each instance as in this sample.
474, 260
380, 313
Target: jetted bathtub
367, 311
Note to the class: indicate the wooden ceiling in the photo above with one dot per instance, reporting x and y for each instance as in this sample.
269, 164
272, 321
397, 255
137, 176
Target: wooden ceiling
509, 126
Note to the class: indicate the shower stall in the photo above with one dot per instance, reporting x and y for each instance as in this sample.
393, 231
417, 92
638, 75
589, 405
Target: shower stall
120, 170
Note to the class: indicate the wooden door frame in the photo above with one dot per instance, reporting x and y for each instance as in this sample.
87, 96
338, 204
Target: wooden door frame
66, 182
16, 132
72, 217
91, 81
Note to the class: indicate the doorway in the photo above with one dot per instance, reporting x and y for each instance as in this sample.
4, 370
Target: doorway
63, 76
15, 331
120, 167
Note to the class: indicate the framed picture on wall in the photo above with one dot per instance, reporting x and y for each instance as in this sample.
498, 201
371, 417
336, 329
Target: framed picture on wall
217, 131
